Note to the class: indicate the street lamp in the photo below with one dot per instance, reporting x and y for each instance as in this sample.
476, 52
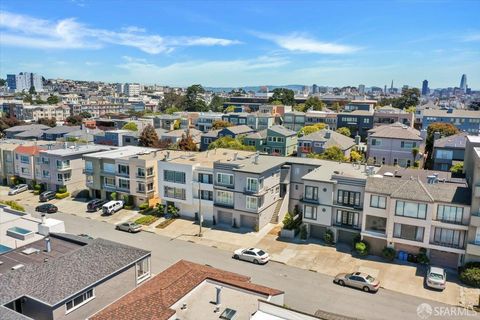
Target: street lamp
200, 215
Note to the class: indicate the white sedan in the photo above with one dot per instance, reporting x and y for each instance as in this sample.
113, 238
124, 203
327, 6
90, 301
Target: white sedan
254, 255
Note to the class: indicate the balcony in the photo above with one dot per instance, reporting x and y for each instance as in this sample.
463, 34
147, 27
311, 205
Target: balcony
64, 167
446, 244
374, 233
473, 248
475, 219
229, 186
224, 205
312, 201
110, 173
110, 187
124, 188
87, 171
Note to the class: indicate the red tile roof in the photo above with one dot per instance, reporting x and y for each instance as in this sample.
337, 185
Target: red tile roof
152, 300
31, 150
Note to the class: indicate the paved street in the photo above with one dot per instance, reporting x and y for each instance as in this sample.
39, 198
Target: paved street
305, 290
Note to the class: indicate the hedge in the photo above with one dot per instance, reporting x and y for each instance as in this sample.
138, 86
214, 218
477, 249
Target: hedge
14, 205
62, 195
146, 220
471, 276
143, 206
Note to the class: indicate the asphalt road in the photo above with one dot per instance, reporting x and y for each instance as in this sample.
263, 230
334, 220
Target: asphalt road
304, 290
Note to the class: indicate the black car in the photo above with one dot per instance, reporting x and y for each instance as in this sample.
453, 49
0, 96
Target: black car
47, 195
47, 208
95, 204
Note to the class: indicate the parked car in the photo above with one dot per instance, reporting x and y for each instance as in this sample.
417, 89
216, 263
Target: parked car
112, 206
358, 280
86, 236
254, 255
46, 208
17, 189
436, 278
46, 196
95, 204
129, 227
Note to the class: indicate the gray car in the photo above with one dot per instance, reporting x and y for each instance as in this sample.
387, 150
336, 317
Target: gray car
17, 189
129, 227
358, 280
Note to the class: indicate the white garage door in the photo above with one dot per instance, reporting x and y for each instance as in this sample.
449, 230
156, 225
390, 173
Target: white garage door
224, 218
248, 221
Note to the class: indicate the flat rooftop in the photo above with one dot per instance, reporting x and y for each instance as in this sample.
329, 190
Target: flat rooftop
74, 150
122, 152
207, 158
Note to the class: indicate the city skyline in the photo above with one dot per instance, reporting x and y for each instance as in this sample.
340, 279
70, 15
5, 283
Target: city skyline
229, 45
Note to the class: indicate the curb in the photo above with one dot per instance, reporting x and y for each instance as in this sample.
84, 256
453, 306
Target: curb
279, 262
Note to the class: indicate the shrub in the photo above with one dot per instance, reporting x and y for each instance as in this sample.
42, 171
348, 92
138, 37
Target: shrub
388, 253
146, 220
62, 189
36, 192
62, 195
113, 195
303, 232
128, 207
290, 223
361, 248
173, 211
422, 258
143, 206
471, 277
160, 209
37, 187
14, 205
328, 237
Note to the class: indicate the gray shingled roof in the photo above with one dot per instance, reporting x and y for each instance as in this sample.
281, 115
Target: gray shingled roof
457, 141
62, 129
336, 139
27, 127
395, 131
240, 129
282, 130
34, 133
59, 279
258, 135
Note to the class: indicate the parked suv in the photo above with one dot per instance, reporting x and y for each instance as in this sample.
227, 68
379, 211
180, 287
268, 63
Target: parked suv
17, 189
95, 204
112, 206
47, 195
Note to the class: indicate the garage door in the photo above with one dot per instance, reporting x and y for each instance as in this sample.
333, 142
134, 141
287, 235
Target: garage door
317, 232
443, 259
224, 218
248, 221
376, 245
346, 236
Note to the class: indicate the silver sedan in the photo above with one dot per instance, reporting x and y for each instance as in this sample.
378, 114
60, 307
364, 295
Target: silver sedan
129, 227
358, 280
254, 255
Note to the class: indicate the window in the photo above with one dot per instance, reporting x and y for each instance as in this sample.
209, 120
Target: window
376, 142
25, 171
450, 214
411, 209
63, 164
206, 195
64, 177
124, 184
80, 300
150, 186
174, 176
109, 182
347, 218
123, 169
46, 174
253, 184
150, 172
408, 145
109, 167
310, 212
89, 178
46, 160
140, 187
444, 154
311, 193
141, 172
252, 203
24, 159
205, 178
88, 166
175, 193
143, 269
449, 238
348, 198
225, 179
378, 202
408, 232
366, 120
224, 197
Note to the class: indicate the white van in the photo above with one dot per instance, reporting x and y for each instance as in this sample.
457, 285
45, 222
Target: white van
112, 207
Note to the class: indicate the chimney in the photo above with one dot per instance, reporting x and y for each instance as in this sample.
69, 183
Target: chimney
327, 134
218, 296
48, 245
357, 139
235, 155
255, 158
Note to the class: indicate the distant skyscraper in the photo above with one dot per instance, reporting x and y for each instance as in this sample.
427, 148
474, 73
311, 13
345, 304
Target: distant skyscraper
314, 89
425, 89
24, 81
463, 83
361, 89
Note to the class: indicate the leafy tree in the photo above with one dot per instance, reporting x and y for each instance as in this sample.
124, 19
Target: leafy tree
336, 107
410, 98
216, 104
314, 103
8, 122
39, 101
355, 156
53, 99
445, 129
230, 109
85, 114
276, 102
3, 82
230, 143
170, 100
187, 143
286, 96
301, 107
411, 109
32, 90
219, 124
171, 110
311, 129
51, 122
28, 98
415, 152
345, 131
331, 153
193, 99
148, 137
74, 121
457, 168
177, 124
132, 126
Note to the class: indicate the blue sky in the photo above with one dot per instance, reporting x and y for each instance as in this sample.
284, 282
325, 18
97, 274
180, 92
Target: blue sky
229, 43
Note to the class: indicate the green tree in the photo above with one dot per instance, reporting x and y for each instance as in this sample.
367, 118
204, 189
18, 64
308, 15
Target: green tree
132, 126
411, 109
415, 152
336, 107
410, 98
28, 98
170, 100
314, 103
457, 168
286, 96
187, 143
230, 143
51, 122
194, 100
216, 104
444, 129
171, 110
311, 129
230, 109
301, 107
345, 131
355, 156
3, 82
32, 90
148, 137
74, 120
331, 153
276, 102
53, 99
85, 114
219, 124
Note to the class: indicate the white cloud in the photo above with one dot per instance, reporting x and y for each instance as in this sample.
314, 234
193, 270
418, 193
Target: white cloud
472, 37
25, 31
301, 43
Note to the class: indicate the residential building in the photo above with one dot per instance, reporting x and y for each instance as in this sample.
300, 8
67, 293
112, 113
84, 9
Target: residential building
64, 167
85, 135
326, 117
132, 89
185, 180
206, 119
389, 115
465, 120
58, 132
294, 120
412, 213
362, 105
125, 171
175, 136
448, 151
23, 81
232, 132
256, 121
26, 163
11, 133
358, 122
207, 138
167, 121
191, 291
12, 109
274, 109
60, 113
395, 144
320, 140
112, 137
130, 138
68, 277
276, 140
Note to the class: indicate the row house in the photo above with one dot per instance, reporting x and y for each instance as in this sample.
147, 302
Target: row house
274, 109
26, 162
465, 120
389, 115
317, 142
448, 151
358, 121
316, 117
232, 132
410, 214
99, 110
60, 113
294, 120
206, 119
277, 140
256, 121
